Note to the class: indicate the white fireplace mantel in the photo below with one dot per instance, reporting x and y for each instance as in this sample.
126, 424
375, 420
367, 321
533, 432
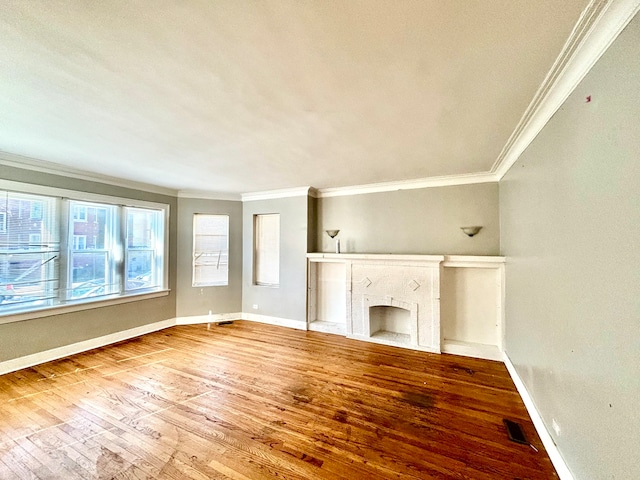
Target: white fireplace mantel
396, 300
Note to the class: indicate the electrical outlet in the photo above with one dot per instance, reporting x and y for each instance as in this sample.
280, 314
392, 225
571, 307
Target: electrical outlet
255, 307
555, 426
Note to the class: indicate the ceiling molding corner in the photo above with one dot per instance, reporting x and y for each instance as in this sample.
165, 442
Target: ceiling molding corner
42, 166
429, 182
273, 194
598, 26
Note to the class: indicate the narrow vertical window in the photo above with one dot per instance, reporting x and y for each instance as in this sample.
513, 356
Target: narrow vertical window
267, 249
210, 250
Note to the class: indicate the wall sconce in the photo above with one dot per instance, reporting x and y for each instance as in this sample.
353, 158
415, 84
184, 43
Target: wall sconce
471, 231
334, 234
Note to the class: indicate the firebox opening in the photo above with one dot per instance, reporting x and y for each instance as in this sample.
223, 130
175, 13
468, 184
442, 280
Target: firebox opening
390, 322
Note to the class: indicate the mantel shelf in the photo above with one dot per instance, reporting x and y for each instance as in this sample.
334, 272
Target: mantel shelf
486, 261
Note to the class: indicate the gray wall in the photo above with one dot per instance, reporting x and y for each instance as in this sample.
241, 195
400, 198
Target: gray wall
419, 221
199, 300
570, 208
289, 300
31, 336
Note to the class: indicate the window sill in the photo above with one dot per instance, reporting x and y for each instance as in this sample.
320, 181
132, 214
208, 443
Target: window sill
77, 307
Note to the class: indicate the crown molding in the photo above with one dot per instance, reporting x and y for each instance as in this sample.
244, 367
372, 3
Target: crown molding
429, 182
204, 195
33, 164
272, 194
598, 26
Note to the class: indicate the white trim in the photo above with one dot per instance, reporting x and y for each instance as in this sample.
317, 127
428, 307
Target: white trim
472, 261
599, 25
202, 195
280, 322
327, 327
75, 348
213, 318
429, 182
36, 165
393, 343
552, 449
343, 257
252, 317
271, 194
475, 350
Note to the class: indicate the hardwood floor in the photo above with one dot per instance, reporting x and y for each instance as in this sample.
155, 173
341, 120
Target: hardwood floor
252, 401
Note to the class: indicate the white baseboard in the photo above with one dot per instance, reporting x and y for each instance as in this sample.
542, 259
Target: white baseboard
328, 327
392, 343
475, 350
552, 449
213, 318
253, 317
27, 361
281, 322
79, 347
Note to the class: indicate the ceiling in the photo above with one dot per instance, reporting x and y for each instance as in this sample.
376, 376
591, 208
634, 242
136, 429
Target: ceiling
237, 96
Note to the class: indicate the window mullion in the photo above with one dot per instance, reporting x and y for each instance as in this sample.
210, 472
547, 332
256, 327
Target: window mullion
66, 268
121, 248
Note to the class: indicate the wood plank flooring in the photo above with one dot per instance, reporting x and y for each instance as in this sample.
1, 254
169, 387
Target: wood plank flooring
252, 401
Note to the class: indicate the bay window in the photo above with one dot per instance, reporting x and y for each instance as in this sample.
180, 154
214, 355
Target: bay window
66, 248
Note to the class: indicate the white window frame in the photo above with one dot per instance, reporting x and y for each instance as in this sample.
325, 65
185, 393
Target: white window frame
81, 215
63, 305
79, 242
266, 250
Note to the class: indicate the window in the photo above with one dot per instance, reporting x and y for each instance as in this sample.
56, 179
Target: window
267, 249
104, 250
93, 266
36, 211
79, 213
79, 242
144, 251
210, 250
29, 252
35, 239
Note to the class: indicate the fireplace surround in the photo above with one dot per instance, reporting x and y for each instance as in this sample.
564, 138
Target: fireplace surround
433, 303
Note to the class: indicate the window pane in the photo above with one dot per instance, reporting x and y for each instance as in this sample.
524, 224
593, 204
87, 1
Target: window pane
267, 249
210, 250
140, 228
92, 248
140, 270
145, 239
90, 275
29, 250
